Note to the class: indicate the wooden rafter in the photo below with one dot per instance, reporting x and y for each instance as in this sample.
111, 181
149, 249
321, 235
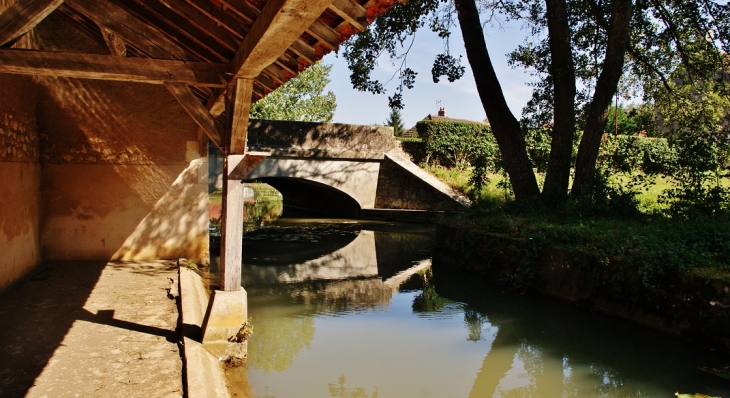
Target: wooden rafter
325, 34
352, 12
221, 17
24, 16
197, 111
105, 67
203, 23
178, 30
131, 29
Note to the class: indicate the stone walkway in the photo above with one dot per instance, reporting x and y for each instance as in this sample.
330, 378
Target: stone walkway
92, 329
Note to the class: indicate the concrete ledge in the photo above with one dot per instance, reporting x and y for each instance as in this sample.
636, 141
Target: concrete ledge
193, 301
205, 377
227, 311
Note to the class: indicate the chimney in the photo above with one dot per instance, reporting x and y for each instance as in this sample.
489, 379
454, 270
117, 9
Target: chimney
442, 111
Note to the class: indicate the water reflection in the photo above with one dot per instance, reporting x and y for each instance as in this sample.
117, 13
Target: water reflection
366, 328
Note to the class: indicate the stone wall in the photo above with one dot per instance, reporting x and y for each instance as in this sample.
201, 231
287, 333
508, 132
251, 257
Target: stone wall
20, 177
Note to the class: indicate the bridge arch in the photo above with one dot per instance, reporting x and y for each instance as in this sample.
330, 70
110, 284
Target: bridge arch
305, 198
355, 179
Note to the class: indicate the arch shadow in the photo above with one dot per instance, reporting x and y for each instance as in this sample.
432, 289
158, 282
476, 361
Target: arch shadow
305, 198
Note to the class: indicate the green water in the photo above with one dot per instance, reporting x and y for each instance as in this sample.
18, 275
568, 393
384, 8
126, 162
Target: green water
334, 318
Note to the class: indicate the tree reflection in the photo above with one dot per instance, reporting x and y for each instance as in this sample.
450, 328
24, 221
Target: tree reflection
278, 341
474, 322
340, 391
428, 300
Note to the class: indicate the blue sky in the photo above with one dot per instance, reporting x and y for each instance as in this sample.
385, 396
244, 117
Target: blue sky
459, 98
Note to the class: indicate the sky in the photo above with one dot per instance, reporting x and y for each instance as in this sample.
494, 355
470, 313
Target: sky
460, 99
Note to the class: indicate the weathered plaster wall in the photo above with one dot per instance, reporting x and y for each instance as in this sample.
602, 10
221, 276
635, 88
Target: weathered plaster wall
122, 178
19, 179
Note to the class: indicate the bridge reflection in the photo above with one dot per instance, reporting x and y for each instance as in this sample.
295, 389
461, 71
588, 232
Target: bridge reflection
333, 267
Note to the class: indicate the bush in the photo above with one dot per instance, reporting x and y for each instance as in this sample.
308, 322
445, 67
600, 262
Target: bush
630, 154
458, 144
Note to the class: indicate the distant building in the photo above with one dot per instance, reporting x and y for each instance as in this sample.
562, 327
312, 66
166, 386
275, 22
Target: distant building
413, 133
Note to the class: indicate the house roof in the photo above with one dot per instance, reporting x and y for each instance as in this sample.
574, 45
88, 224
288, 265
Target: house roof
198, 48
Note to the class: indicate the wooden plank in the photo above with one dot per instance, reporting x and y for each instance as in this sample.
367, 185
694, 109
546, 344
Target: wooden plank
280, 23
139, 34
351, 12
23, 16
105, 67
197, 111
238, 108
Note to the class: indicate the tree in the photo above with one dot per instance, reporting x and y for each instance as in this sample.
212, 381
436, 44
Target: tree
626, 124
587, 42
395, 120
300, 99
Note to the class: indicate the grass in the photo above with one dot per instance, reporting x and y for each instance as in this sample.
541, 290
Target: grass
262, 192
641, 236
458, 180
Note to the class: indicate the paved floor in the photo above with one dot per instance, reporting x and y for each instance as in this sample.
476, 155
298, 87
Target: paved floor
92, 329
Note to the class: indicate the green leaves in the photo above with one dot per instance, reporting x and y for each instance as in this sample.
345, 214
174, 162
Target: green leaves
300, 99
446, 65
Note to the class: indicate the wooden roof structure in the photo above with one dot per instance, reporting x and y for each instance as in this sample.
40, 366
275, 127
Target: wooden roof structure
212, 55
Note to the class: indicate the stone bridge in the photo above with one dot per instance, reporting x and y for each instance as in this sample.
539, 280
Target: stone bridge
340, 170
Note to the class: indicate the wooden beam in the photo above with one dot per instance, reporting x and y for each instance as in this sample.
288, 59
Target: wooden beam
352, 12
237, 110
115, 43
139, 34
105, 67
280, 23
197, 111
23, 16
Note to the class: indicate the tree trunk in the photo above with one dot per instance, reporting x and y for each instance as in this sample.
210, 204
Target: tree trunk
562, 70
505, 126
618, 37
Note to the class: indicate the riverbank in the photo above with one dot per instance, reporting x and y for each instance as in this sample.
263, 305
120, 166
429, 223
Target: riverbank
667, 275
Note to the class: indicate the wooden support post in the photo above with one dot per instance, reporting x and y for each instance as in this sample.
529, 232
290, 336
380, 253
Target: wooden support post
231, 227
239, 103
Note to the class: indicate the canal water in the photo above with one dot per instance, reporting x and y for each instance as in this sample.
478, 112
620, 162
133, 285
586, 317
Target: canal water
352, 309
